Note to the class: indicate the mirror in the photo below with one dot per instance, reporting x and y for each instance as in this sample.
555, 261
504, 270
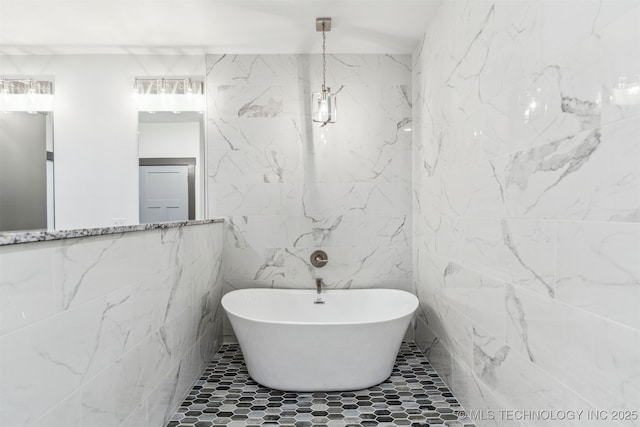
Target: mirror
171, 156
26, 171
96, 105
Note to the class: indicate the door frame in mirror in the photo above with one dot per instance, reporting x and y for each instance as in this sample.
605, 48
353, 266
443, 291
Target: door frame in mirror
190, 162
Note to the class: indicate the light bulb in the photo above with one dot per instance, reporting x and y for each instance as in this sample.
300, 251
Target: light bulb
323, 109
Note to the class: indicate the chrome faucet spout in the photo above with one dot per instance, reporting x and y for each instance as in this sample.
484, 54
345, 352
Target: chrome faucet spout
318, 285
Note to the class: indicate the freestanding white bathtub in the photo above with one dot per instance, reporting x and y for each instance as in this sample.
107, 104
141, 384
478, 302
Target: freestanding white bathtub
348, 343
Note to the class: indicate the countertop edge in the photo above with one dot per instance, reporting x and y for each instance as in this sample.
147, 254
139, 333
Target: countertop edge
14, 238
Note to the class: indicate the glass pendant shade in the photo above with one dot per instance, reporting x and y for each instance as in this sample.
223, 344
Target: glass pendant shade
324, 107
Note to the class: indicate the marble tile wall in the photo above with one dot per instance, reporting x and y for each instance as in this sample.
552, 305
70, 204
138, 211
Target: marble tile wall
107, 330
290, 187
526, 208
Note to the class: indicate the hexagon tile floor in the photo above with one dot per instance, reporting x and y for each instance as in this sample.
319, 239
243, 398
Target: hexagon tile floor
225, 395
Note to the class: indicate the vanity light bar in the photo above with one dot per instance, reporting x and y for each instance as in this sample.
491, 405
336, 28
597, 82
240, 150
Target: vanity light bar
168, 86
154, 94
25, 87
28, 95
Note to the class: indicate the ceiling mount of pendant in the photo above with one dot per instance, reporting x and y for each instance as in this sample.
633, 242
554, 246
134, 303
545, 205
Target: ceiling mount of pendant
323, 24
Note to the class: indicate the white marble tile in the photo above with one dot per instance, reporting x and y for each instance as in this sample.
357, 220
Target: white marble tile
158, 403
349, 267
254, 264
349, 192
440, 358
331, 231
328, 199
159, 299
66, 414
338, 161
617, 368
109, 398
431, 197
222, 133
452, 327
210, 342
552, 335
88, 268
513, 29
236, 230
521, 384
481, 135
269, 151
190, 371
424, 337
534, 175
351, 230
155, 360
447, 233
592, 175
165, 250
585, 16
271, 133
94, 363
138, 418
465, 22
526, 87
429, 278
532, 111
395, 103
255, 101
207, 315
202, 243
26, 284
240, 198
45, 362
477, 190
599, 269
386, 69
114, 396
479, 297
271, 165
515, 251
251, 69
382, 263
619, 43
149, 301
179, 334
341, 70
478, 399
205, 278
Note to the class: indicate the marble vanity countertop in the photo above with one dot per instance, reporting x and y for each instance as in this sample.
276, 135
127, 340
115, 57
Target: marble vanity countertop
13, 238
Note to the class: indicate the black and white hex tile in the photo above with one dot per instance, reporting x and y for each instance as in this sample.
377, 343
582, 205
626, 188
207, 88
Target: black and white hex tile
225, 395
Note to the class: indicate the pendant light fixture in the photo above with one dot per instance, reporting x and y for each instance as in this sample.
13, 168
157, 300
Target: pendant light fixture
324, 102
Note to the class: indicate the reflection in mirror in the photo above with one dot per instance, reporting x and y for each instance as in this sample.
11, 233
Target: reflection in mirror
171, 154
26, 171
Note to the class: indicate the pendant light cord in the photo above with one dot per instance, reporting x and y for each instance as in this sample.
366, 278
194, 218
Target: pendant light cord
324, 60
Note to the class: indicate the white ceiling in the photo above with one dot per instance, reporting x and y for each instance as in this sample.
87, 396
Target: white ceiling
212, 26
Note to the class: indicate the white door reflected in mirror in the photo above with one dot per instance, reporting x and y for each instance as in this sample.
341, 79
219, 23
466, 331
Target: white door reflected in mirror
171, 153
164, 193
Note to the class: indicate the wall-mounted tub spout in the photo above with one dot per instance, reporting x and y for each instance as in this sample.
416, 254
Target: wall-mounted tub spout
319, 299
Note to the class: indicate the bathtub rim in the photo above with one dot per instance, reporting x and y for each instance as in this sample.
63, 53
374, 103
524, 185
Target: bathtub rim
313, 293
